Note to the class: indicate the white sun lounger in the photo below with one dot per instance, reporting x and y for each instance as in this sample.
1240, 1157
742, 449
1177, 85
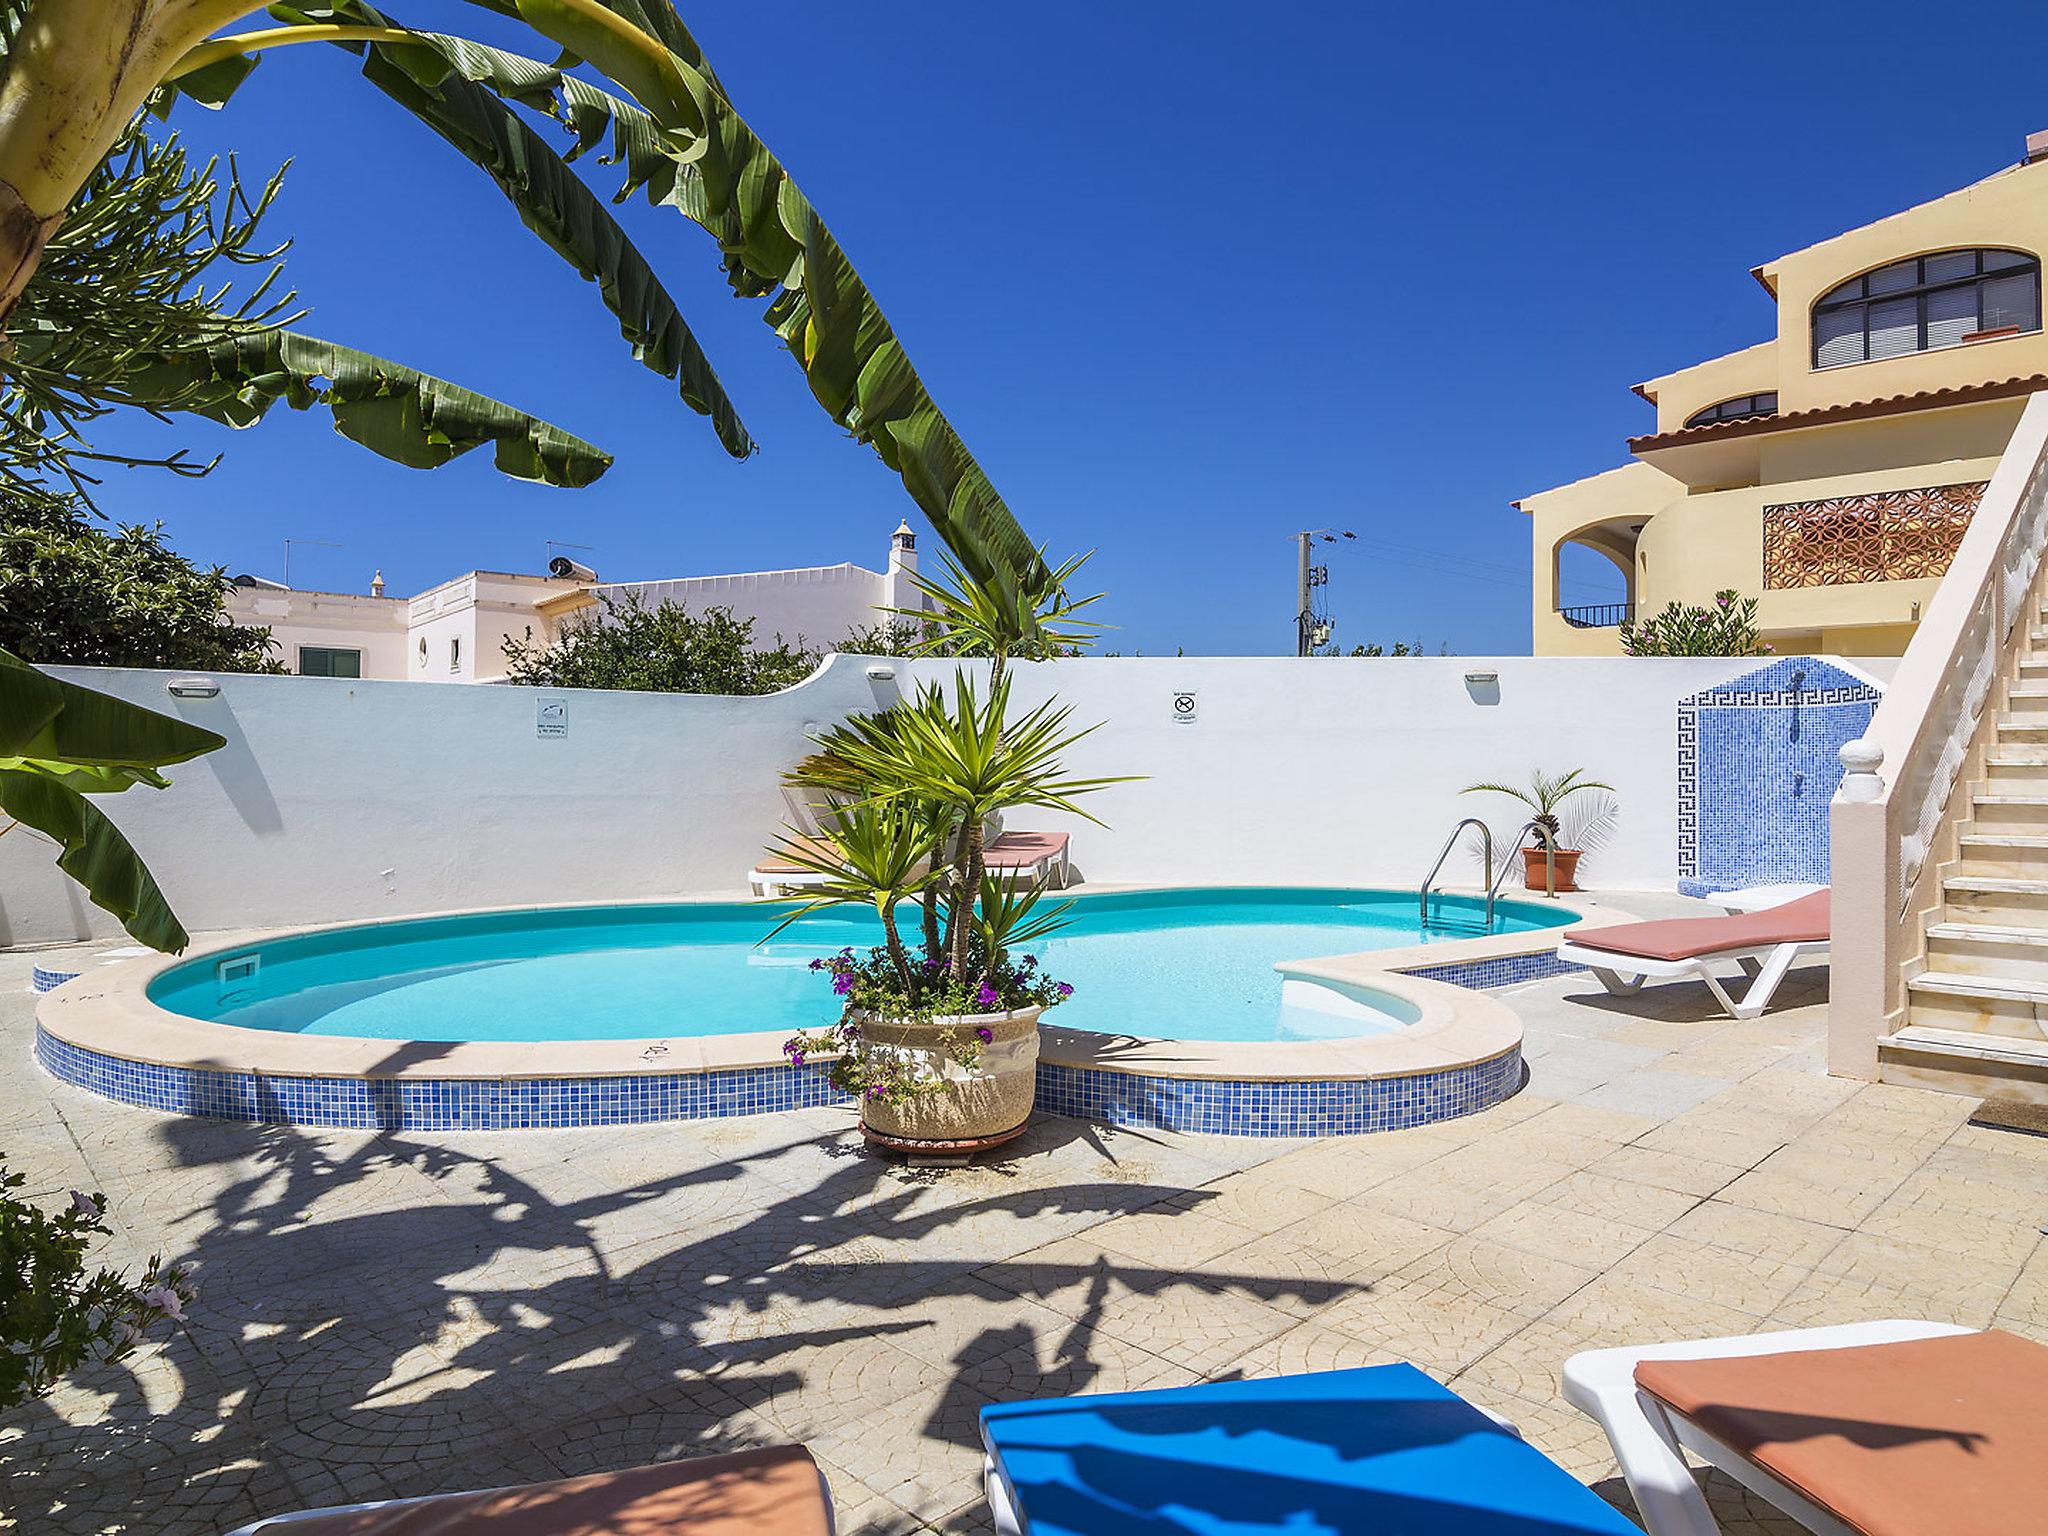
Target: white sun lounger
1765, 944
1909, 1427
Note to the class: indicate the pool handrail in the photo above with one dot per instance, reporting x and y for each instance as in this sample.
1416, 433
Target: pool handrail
1486, 850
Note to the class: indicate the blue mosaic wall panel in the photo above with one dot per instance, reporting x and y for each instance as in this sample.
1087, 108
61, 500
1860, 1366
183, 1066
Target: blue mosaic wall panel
1248, 1107
1758, 761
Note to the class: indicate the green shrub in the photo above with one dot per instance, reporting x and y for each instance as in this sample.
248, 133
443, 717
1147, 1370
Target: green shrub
56, 1314
1727, 627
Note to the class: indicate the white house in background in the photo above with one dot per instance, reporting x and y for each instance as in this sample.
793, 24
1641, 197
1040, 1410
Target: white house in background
456, 632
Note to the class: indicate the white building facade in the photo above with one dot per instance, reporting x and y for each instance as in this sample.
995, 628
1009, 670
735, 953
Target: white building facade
456, 632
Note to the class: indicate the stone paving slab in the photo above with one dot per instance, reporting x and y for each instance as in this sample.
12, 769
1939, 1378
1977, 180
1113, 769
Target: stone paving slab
394, 1314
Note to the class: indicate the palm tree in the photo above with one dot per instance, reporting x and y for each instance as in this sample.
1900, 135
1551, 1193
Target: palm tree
78, 71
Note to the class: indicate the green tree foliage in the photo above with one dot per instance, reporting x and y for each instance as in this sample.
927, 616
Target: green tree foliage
1401, 648
60, 747
129, 312
74, 590
664, 649
1726, 627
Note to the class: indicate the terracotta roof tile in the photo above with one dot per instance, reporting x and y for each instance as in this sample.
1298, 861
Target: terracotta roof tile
1854, 410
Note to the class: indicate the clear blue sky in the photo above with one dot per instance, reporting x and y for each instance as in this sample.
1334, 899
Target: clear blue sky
1186, 276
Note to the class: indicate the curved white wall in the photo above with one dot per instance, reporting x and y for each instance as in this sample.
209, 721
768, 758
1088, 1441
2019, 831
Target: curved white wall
338, 798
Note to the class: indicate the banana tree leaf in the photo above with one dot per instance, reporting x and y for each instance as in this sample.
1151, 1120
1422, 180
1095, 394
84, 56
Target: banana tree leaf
684, 146
400, 413
46, 718
95, 854
553, 202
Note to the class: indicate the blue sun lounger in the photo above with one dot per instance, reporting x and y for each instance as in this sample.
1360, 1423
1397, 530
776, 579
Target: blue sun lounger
1382, 1451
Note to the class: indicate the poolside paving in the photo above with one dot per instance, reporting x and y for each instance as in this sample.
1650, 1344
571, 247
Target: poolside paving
403, 1313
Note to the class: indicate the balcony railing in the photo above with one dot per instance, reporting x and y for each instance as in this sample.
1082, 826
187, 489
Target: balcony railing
1597, 615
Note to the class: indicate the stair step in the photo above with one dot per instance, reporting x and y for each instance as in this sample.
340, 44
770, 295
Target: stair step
1999, 885
2006, 1049
1958, 984
2005, 839
2017, 757
2011, 730
1988, 933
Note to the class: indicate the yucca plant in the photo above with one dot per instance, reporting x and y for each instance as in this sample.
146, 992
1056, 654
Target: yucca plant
944, 764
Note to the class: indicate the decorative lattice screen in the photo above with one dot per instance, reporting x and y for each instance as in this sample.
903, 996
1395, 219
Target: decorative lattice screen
1882, 536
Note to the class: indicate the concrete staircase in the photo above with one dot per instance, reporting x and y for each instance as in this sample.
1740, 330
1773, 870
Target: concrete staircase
1977, 1015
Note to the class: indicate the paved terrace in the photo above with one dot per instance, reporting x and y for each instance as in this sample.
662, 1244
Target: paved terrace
395, 1314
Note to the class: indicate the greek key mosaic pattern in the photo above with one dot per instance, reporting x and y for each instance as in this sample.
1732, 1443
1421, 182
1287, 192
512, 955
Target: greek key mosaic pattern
1312, 1107
1882, 536
1759, 758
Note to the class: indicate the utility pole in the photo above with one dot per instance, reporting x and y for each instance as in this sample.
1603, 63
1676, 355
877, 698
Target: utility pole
1304, 617
1311, 629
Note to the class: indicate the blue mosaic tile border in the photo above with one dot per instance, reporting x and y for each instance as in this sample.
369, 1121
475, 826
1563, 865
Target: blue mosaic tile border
445, 1104
1502, 971
1249, 1107
1326, 1107
43, 979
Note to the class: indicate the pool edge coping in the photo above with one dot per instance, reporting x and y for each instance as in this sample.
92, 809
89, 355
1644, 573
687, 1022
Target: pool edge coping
108, 1013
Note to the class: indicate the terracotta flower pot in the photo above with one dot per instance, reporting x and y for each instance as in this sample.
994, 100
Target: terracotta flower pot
974, 1107
1567, 869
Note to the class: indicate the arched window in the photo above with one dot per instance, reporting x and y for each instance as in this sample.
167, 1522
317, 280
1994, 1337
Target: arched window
1735, 410
1926, 303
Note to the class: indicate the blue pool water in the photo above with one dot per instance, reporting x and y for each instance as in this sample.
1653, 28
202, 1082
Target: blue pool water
1184, 964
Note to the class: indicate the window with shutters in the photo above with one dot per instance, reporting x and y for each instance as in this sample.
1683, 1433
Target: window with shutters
1926, 303
1735, 410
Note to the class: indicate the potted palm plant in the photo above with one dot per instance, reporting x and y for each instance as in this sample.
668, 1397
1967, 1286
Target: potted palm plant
937, 1037
1546, 867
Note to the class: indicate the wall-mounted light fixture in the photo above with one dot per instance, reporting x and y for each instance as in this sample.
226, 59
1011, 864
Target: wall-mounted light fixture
1482, 679
193, 688
880, 672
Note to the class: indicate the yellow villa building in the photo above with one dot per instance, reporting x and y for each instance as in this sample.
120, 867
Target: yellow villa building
1830, 470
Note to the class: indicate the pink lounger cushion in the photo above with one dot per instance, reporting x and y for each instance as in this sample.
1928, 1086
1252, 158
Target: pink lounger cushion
1804, 921
1016, 850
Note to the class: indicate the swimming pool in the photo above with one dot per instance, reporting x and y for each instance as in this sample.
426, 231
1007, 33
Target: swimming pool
1184, 964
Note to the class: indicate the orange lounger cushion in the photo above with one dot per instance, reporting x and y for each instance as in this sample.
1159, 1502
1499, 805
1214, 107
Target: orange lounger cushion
1928, 1437
775, 864
772, 1492
1804, 921
1015, 850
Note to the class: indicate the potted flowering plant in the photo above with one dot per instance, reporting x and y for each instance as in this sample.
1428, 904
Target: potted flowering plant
938, 1029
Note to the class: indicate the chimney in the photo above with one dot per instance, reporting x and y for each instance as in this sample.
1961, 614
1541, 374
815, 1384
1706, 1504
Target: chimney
2037, 146
377, 585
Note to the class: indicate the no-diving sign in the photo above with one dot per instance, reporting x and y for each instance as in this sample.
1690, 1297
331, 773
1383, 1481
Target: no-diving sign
1184, 707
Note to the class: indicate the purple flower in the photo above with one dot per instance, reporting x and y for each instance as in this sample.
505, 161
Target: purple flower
987, 998
1030, 962
85, 1205
874, 1090
931, 965
817, 965
985, 1035
1063, 989
796, 1058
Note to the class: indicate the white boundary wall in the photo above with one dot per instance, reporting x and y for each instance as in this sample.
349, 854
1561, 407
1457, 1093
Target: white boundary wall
338, 798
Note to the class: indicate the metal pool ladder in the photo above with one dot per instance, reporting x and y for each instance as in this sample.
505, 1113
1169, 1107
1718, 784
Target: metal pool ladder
1428, 880
1494, 876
